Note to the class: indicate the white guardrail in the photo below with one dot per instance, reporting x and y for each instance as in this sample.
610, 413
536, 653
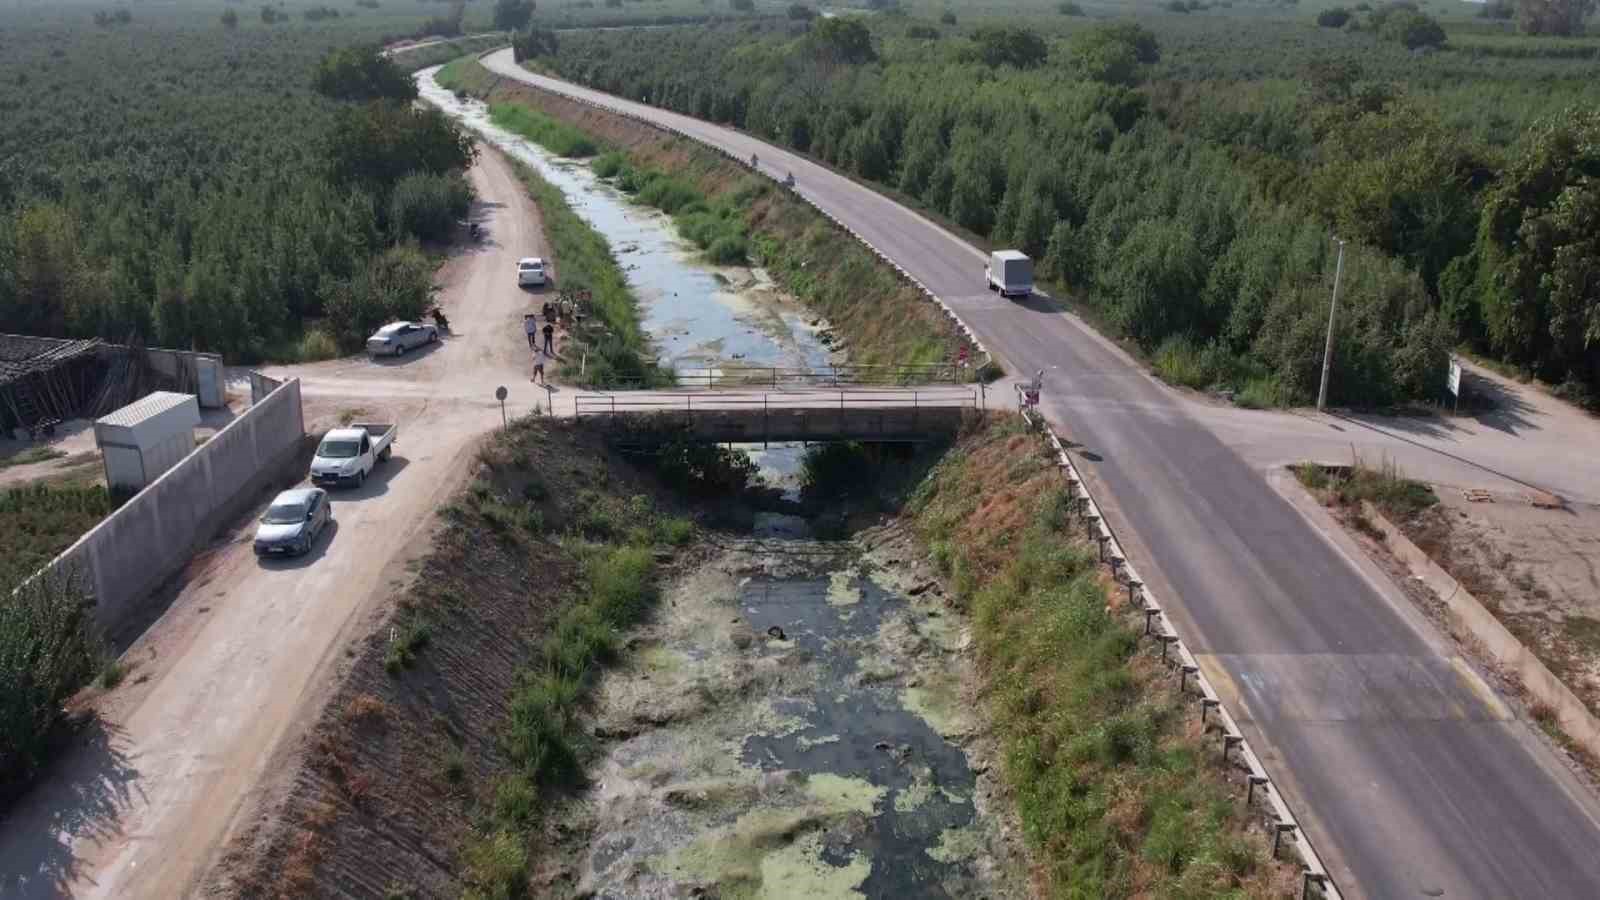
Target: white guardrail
1284, 821
1174, 652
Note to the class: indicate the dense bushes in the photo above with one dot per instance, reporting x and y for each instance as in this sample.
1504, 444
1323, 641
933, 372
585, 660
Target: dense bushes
1167, 237
398, 284
1530, 286
48, 647
428, 206
1209, 224
47, 651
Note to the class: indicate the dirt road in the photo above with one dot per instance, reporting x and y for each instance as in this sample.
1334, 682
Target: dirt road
238, 660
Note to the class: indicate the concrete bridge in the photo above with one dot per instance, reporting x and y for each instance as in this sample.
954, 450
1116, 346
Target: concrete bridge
812, 415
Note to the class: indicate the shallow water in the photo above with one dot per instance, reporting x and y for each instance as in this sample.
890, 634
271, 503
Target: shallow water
699, 315
820, 758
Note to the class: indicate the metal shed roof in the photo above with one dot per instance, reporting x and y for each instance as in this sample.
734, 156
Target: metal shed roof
23, 354
148, 407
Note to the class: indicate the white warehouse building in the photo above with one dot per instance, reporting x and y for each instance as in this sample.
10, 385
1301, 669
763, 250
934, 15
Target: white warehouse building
146, 438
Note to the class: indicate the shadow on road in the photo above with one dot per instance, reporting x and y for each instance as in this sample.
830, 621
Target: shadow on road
81, 800
411, 356
1499, 407
319, 549
376, 486
1395, 433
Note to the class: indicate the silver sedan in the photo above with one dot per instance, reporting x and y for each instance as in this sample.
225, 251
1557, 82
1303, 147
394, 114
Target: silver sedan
396, 338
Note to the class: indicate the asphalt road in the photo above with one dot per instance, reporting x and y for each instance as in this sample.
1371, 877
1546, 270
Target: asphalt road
1411, 778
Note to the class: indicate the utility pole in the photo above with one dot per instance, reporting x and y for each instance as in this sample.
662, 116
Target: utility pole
1327, 351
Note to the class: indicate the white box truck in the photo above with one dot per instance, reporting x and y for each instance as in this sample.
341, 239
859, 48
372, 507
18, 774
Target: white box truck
1010, 272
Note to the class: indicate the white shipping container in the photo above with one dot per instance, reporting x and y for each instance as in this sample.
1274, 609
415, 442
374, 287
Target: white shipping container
146, 438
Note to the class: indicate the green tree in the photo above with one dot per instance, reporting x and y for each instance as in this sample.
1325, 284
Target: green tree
513, 15
230, 19
997, 45
396, 285
1333, 17
362, 73
49, 270
1402, 180
535, 42
843, 40
948, 17
1070, 9
379, 143
1108, 62
1413, 30
799, 12
1537, 256
1560, 17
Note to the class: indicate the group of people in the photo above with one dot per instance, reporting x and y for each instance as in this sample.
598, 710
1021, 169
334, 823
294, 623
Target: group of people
551, 313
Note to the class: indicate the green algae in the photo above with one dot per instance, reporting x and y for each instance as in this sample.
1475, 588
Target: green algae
911, 799
957, 845
798, 872
937, 701
840, 794
842, 588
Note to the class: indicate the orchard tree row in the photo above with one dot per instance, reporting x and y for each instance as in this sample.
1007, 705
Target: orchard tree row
1193, 210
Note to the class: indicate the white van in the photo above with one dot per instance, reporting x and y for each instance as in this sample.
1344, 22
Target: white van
1009, 272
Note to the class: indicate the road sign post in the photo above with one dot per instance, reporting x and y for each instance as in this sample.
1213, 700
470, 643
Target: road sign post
500, 394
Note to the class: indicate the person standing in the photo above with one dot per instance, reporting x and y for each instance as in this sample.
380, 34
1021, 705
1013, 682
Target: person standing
530, 327
549, 336
539, 359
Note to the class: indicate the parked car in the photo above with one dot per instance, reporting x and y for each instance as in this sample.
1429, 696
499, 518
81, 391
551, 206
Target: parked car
396, 338
348, 455
1009, 272
293, 522
530, 271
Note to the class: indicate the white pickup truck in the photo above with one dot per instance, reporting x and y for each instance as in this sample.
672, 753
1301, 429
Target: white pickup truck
348, 455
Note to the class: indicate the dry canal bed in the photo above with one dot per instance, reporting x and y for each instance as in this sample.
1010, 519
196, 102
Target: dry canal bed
791, 724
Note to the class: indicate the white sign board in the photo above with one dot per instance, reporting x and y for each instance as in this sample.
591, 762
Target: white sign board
1455, 378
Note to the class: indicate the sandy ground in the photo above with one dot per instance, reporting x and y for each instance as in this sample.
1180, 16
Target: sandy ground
1537, 569
241, 657
1526, 440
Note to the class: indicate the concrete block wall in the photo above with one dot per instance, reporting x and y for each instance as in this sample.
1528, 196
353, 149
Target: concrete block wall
153, 535
199, 373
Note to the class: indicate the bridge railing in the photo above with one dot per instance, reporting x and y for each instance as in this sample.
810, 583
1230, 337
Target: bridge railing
643, 402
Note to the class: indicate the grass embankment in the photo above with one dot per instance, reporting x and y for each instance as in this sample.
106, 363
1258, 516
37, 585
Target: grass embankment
736, 216
1117, 795
30, 456
1395, 495
431, 770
